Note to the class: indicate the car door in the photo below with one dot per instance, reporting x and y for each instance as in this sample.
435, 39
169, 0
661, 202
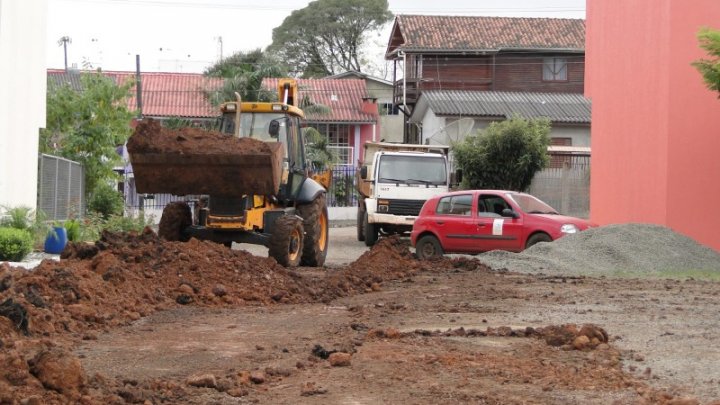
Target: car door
454, 222
495, 232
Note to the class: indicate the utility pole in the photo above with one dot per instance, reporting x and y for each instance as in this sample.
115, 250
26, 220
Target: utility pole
63, 42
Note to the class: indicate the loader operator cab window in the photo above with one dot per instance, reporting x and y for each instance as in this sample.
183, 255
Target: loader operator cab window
257, 125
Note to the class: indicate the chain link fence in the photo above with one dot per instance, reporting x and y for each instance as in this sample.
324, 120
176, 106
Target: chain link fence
565, 188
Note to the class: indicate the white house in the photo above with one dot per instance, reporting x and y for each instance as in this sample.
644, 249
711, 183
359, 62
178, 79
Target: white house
447, 116
22, 98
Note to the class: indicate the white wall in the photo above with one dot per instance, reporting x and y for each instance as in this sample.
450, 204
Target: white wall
22, 97
446, 130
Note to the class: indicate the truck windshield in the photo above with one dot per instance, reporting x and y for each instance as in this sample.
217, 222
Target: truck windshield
412, 169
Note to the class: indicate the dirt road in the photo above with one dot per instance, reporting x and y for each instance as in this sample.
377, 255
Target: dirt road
450, 331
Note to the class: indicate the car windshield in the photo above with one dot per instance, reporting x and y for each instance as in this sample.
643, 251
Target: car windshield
530, 204
412, 170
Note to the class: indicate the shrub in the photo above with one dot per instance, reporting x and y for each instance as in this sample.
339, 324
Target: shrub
15, 244
506, 155
72, 226
128, 223
18, 217
93, 224
106, 201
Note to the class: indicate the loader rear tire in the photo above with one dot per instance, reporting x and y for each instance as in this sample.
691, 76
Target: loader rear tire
316, 225
175, 218
286, 242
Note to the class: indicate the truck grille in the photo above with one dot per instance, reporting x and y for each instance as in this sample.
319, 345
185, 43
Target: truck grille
405, 207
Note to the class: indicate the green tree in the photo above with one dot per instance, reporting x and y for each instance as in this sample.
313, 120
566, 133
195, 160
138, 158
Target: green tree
710, 68
318, 151
327, 36
243, 73
88, 125
506, 155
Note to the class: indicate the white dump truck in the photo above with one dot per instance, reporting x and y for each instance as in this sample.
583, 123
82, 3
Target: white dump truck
394, 181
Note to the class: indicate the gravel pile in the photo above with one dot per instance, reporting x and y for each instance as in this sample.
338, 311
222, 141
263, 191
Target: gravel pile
612, 250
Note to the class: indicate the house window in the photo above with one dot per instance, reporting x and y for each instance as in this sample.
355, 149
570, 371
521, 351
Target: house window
554, 69
338, 136
560, 160
388, 109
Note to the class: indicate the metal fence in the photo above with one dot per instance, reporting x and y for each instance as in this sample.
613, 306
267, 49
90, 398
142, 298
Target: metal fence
566, 188
342, 192
61, 187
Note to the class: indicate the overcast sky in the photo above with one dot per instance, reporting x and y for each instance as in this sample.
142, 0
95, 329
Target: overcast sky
186, 35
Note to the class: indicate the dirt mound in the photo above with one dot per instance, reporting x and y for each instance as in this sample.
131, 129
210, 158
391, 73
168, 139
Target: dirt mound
125, 276
389, 259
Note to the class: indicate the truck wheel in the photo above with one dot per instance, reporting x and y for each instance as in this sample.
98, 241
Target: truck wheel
370, 230
286, 242
360, 225
428, 247
537, 238
315, 224
175, 218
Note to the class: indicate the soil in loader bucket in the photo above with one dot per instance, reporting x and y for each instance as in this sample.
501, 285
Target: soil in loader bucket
195, 161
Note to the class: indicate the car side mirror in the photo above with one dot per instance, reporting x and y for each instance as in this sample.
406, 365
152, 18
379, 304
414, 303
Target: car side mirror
363, 172
507, 212
274, 129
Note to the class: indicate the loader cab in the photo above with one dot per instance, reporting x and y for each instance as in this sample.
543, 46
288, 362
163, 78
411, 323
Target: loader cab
272, 122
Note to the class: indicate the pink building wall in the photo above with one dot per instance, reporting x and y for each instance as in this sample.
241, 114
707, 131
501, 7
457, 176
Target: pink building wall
655, 126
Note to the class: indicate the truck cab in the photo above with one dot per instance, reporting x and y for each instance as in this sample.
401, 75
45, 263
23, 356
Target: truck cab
394, 182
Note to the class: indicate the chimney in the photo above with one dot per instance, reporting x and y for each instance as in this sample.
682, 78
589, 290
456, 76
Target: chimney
369, 106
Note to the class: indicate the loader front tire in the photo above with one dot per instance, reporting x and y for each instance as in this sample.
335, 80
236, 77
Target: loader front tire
316, 225
286, 242
175, 218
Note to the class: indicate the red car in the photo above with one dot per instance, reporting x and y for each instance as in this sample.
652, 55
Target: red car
475, 221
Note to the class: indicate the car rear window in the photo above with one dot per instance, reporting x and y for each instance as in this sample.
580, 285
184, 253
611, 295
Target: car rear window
455, 205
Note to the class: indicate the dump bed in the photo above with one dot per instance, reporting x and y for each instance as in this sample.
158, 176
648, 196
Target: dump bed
196, 161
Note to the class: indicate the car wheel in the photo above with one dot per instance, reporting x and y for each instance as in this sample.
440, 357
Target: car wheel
428, 247
537, 238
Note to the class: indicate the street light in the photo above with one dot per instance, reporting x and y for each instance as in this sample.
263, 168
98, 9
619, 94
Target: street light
63, 41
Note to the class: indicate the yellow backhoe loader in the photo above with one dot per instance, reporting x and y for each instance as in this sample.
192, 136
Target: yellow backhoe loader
252, 176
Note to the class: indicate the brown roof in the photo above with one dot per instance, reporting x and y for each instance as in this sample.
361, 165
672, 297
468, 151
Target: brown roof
163, 94
343, 96
453, 33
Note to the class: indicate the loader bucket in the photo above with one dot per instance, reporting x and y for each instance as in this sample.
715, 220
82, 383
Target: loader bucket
195, 161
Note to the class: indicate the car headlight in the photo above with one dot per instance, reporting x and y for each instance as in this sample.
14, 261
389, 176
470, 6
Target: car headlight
569, 228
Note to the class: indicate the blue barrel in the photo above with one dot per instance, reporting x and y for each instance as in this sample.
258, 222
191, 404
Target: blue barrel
56, 240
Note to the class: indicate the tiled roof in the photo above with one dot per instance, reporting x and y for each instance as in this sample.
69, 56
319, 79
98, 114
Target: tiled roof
163, 94
452, 33
343, 96
558, 107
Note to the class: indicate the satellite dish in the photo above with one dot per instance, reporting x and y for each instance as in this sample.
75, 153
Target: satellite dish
454, 132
